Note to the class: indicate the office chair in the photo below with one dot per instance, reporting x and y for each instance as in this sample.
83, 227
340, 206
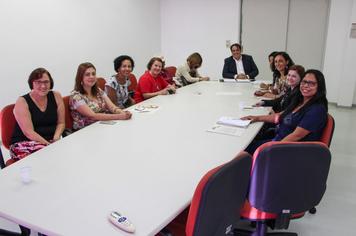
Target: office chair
24, 232
287, 179
326, 138
168, 74
7, 127
171, 70
328, 131
101, 83
215, 206
2, 161
68, 117
133, 85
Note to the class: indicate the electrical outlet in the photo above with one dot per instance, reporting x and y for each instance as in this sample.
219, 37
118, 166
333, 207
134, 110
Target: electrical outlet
228, 43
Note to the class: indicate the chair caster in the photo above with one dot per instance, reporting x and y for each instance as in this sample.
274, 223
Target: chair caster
312, 211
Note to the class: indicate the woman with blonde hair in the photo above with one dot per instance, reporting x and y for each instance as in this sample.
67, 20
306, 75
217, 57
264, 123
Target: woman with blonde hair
188, 73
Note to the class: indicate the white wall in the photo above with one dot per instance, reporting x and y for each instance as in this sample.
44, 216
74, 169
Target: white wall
307, 32
264, 30
340, 53
351, 56
61, 34
58, 35
295, 26
199, 26
203, 26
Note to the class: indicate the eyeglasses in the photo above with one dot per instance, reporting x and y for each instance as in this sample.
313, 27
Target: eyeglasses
42, 82
309, 83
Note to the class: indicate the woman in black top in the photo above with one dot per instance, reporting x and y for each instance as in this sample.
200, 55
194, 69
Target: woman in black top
39, 116
294, 76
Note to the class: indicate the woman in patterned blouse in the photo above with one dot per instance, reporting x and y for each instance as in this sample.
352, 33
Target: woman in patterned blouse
117, 85
282, 62
88, 103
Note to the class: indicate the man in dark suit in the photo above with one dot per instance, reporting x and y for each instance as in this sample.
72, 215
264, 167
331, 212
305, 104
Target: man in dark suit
239, 66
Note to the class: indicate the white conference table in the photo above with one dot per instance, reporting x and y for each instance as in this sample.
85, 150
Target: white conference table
146, 167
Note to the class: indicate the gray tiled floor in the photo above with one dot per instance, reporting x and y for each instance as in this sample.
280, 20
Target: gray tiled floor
336, 213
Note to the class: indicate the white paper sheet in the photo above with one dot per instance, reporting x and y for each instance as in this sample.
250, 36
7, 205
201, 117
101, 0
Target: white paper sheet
227, 130
236, 122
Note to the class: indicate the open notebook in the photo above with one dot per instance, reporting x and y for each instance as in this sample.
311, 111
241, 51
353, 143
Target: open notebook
236, 122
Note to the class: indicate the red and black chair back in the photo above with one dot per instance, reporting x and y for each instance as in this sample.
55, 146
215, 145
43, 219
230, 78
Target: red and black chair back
219, 197
8, 123
133, 84
171, 71
328, 131
287, 179
68, 115
2, 161
100, 82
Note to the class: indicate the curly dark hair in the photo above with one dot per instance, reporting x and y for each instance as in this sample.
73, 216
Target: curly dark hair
276, 73
118, 61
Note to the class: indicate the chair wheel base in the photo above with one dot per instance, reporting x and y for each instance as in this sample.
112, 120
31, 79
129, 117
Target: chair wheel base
312, 211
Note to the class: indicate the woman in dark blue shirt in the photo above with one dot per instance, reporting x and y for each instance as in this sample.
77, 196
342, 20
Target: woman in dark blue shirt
305, 118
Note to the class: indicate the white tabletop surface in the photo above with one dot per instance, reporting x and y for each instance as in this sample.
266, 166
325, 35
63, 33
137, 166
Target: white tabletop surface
146, 168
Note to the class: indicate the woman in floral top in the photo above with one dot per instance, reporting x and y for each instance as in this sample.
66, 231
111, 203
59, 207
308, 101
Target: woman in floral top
116, 86
88, 103
282, 63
